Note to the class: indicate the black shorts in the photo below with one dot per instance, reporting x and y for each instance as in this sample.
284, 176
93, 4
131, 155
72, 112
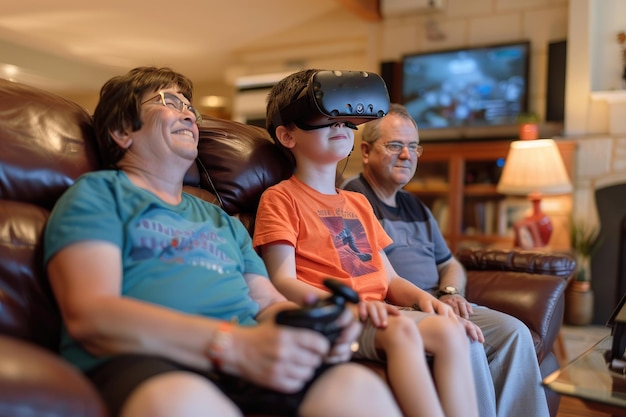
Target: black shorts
117, 378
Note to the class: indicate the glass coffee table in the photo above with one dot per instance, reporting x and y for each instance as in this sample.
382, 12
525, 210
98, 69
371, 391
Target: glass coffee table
594, 379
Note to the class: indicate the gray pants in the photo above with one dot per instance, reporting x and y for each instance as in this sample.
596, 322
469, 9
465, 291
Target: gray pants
512, 361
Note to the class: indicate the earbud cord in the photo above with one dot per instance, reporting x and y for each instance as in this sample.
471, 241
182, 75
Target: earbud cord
345, 165
208, 177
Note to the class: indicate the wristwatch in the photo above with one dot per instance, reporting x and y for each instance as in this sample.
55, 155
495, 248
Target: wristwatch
449, 290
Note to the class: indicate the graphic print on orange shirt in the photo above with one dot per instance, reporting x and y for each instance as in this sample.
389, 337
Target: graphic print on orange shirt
351, 244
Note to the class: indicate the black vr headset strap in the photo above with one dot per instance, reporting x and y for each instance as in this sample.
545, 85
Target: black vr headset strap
294, 110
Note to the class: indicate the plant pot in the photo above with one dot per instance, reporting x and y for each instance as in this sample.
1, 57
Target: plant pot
579, 303
528, 131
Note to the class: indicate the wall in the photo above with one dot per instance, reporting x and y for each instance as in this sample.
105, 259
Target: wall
595, 119
346, 42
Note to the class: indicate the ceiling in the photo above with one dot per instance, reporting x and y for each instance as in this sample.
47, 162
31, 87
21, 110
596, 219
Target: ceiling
76, 45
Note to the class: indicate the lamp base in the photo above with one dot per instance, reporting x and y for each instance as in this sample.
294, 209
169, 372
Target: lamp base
535, 230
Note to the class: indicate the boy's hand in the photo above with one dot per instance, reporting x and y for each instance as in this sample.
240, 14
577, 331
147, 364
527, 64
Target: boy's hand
377, 312
472, 330
430, 304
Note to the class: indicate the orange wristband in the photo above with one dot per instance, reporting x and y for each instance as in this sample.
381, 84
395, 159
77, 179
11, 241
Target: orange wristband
221, 341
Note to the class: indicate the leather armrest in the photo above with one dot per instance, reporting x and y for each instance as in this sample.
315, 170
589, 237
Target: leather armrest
533, 262
524, 284
35, 382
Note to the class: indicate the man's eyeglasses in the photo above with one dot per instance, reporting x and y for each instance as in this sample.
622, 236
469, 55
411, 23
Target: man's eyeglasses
396, 147
174, 102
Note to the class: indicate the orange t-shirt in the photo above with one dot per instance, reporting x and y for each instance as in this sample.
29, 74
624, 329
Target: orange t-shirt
334, 236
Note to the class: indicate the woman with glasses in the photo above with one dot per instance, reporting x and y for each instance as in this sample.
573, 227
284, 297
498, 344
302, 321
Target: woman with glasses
166, 306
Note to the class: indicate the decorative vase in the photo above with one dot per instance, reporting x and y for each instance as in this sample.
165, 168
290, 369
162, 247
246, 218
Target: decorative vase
579, 303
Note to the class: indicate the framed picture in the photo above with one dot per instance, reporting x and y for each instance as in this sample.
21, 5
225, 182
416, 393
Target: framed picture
527, 234
510, 211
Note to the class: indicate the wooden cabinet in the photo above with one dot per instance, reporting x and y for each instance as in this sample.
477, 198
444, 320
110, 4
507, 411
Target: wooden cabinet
458, 183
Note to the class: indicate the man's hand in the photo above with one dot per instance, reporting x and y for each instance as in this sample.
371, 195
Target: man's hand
459, 304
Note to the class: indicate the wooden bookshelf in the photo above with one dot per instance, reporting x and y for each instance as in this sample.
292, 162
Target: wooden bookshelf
458, 180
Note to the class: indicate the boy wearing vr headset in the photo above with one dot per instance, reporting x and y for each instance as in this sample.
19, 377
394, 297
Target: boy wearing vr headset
308, 230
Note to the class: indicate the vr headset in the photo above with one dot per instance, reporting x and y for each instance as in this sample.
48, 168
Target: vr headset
352, 97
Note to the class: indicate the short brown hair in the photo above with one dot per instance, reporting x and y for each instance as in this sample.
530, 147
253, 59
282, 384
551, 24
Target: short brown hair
283, 93
119, 106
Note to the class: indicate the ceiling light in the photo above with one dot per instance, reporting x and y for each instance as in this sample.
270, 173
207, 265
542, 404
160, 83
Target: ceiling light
213, 101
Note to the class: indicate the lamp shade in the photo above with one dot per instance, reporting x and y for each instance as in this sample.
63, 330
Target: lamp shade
534, 166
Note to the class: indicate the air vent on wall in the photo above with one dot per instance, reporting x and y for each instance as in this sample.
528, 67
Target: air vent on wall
390, 8
251, 96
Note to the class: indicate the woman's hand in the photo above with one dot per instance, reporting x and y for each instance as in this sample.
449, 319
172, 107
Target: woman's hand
282, 358
344, 346
346, 343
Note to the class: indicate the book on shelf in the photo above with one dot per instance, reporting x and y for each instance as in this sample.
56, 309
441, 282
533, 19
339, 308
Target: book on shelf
480, 217
441, 213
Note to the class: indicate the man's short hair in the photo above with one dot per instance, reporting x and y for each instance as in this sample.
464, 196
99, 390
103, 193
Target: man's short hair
371, 131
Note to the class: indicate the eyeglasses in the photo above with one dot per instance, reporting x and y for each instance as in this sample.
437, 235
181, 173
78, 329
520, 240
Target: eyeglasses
172, 101
396, 147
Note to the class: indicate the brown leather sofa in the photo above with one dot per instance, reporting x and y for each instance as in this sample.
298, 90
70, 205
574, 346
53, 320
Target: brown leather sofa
46, 142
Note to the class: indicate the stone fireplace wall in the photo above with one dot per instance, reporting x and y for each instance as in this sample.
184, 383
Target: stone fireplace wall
600, 165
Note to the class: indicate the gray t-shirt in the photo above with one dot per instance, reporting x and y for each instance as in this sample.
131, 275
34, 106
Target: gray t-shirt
418, 245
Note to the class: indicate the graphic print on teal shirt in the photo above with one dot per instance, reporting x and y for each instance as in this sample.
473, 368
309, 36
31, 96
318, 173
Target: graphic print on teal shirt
351, 244
173, 239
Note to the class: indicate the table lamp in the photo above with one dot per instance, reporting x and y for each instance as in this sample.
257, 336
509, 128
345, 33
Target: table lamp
534, 168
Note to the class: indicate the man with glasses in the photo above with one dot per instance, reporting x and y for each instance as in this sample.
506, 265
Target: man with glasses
419, 253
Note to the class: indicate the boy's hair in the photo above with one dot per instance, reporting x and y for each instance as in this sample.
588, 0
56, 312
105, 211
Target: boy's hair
283, 93
371, 130
119, 107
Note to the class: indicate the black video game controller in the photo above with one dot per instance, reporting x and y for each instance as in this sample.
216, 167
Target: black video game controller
322, 315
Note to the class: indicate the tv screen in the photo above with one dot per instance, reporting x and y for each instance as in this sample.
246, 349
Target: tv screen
483, 86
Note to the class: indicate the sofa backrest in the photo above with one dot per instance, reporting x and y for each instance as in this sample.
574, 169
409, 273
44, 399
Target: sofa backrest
238, 162
47, 142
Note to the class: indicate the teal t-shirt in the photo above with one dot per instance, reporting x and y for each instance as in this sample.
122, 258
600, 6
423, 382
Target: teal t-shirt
188, 257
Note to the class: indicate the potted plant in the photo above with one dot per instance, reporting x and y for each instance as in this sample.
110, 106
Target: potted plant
528, 125
585, 240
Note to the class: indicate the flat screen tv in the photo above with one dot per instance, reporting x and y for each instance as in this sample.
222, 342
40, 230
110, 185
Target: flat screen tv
468, 92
